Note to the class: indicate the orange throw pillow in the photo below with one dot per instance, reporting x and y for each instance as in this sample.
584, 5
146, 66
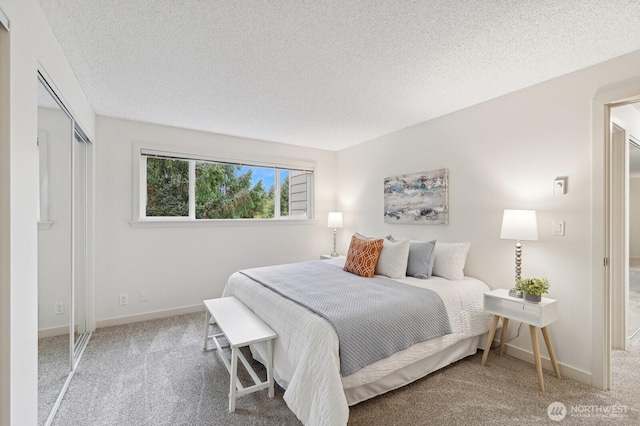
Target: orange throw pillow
362, 256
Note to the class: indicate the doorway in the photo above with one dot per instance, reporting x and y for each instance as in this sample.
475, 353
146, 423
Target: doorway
624, 208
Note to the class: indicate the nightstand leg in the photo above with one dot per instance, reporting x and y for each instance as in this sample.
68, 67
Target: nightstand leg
207, 318
492, 333
552, 354
503, 335
536, 356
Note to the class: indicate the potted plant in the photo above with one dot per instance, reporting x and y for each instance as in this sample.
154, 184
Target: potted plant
533, 288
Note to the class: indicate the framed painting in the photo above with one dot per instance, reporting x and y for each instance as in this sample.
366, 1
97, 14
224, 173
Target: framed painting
419, 198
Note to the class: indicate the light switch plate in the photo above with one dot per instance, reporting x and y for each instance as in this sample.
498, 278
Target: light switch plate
558, 227
560, 186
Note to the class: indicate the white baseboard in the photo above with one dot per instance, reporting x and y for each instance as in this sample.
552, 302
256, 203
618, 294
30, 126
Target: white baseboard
565, 370
53, 331
110, 322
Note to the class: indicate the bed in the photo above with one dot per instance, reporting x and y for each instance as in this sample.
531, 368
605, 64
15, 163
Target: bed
306, 352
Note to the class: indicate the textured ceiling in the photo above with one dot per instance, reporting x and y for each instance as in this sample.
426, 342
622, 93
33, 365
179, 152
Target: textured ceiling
326, 74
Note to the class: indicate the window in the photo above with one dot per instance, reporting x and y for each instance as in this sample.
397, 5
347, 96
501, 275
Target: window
180, 186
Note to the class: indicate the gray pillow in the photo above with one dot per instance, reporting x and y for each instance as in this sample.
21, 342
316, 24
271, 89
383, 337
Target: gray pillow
420, 264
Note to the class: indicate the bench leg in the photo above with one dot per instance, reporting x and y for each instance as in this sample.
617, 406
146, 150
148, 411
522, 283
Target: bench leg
270, 367
207, 318
234, 375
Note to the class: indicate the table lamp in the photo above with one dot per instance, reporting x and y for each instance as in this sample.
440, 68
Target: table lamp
335, 221
519, 225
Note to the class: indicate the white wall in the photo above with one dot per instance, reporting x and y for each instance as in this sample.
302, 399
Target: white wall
31, 42
182, 265
504, 153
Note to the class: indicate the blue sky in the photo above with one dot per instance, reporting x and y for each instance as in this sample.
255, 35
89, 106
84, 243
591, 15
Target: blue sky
266, 174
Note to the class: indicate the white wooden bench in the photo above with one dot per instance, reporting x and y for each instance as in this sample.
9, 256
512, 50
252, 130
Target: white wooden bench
241, 327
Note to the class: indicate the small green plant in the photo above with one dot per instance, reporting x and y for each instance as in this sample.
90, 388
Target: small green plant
534, 286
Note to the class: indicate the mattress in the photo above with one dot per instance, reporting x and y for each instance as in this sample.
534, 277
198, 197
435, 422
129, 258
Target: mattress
306, 361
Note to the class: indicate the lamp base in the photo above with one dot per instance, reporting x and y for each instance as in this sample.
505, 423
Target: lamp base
334, 253
518, 261
515, 293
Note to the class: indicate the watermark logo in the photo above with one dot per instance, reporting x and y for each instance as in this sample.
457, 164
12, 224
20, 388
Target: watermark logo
614, 411
556, 411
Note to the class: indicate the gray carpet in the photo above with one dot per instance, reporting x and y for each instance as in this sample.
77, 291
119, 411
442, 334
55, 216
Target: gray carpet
53, 369
155, 373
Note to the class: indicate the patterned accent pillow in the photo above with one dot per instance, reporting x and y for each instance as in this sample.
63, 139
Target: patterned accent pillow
362, 256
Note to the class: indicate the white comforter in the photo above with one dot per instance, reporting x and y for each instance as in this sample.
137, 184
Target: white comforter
305, 358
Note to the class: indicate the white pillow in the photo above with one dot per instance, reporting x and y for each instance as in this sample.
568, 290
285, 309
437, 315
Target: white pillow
450, 259
393, 259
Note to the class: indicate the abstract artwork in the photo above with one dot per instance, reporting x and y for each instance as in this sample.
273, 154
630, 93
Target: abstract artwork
419, 198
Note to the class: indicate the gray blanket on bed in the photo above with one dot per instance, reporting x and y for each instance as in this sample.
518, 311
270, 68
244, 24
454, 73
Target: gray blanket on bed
373, 317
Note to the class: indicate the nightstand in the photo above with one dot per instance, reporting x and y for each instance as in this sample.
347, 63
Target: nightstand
536, 315
328, 256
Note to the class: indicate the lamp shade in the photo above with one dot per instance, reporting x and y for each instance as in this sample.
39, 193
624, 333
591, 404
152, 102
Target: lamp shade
519, 225
335, 220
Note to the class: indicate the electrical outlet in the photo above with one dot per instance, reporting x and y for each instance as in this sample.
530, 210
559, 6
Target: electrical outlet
144, 295
59, 308
124, 299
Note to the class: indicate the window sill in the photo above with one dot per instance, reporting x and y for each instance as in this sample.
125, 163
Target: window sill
179, 223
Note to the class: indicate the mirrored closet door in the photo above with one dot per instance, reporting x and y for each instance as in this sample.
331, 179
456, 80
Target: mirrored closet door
64, 248
633, 292
82, 260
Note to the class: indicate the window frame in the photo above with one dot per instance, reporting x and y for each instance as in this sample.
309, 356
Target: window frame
142, 150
